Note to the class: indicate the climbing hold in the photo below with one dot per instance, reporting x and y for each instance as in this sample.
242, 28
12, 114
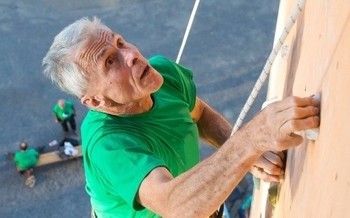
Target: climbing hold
312, 134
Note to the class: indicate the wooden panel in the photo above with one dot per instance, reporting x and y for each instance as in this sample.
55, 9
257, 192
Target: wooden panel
53, 157
317, 180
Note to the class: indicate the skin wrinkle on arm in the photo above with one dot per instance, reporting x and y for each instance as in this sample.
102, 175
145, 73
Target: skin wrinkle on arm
268, 167
226, 167
215, 130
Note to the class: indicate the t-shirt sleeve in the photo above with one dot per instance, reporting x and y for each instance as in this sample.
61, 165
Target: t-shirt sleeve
177, 76
36, 153
71, 105
124, 163
15, 159
54, 109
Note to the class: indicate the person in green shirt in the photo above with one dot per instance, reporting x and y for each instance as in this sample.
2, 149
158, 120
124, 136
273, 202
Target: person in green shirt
25, 160
64, 113
140, 138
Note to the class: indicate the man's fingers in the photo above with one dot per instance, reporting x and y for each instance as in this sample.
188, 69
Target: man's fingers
304, 112
275, 158
282, 120
296, 125
261, 174
295, 114
294, 101
269, 167
282, 155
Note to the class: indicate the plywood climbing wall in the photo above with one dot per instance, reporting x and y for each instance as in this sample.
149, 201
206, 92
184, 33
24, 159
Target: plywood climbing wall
316, 58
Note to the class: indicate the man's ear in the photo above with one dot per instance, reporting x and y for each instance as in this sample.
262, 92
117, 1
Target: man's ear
91, 101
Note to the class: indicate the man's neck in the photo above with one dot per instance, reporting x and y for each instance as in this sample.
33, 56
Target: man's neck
137, 107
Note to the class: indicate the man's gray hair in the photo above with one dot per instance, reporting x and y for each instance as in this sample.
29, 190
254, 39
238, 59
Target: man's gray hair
59, 63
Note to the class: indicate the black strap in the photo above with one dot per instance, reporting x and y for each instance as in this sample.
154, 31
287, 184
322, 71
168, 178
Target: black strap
221, 211
218, 213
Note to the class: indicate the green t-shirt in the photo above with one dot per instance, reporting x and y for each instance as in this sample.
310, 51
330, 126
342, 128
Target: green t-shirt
26, 159
119, 151
64, 113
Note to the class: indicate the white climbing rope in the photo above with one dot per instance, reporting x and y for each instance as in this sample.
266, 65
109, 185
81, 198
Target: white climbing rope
266, 70
188, 28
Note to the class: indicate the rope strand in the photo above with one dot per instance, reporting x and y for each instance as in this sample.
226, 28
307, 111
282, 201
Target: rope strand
266, 70
188, 28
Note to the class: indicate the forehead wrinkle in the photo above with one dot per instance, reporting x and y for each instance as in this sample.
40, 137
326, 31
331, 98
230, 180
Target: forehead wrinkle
108, 37
100, 46
88, 54
95, 48
101, 53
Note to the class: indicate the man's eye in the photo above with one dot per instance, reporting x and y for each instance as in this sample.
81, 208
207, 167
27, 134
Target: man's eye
110, 61
120, 43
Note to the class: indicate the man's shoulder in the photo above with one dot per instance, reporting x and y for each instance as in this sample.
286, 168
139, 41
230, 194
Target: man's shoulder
93, 121
166, 67
69, 103
89, 118
16, 155
32, 151
159, 58
96, 121
97, 124
55, 107
160, 62
93, 115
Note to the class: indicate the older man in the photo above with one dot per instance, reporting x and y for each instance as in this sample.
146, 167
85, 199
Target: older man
64, 113
140, 137
26, 159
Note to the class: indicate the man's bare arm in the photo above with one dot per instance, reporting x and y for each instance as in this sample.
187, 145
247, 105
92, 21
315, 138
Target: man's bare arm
201, 190
213, 127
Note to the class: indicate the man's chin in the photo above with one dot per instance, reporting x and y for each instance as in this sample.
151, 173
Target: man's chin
152, 82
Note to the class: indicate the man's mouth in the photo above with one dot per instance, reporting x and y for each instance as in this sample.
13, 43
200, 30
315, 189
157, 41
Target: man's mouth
145, 72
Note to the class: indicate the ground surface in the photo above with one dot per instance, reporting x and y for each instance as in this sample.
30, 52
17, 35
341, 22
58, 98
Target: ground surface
227, 48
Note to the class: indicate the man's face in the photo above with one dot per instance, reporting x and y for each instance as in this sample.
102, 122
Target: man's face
61, 103
116, 69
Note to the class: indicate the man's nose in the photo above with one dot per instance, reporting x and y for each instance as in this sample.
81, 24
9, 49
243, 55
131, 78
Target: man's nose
130, 56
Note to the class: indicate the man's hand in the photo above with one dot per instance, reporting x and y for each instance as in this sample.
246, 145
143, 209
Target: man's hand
275, 127
270, 166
